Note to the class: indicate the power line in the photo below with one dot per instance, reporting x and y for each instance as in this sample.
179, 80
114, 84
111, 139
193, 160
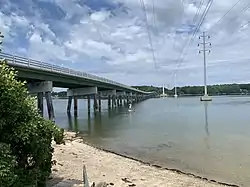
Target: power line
225, 14
184, 51
194, 18
244, 9
154, 16
194, 22
148, 31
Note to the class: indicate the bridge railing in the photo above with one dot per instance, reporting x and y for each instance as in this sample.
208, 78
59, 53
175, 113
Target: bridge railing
26, 62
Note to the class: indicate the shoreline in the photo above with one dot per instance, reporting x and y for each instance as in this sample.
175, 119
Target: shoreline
108, 166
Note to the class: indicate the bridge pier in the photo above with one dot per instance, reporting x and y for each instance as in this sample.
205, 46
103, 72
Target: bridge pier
75, 106
41, 87
88, 98
100, 102
74, 93
113, 101
70, 98
50, 107
109, 101
95, 102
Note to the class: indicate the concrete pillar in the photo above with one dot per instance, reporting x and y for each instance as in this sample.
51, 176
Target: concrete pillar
121, 100
109, 101
100, 103
50, 106
124, 101
69, 104
39, 88
113, 101
88, 104
95, 103
116, 101
75, 105
40, 102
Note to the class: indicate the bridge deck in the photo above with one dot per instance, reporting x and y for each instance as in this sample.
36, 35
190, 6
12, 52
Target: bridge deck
32, 70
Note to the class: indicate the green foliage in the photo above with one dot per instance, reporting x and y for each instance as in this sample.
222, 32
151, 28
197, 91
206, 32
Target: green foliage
224, 89
25, 141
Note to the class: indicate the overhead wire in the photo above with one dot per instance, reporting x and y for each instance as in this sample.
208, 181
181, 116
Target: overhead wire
148, 32
244, 9
224, 15
193, 23
191, 39
154, 16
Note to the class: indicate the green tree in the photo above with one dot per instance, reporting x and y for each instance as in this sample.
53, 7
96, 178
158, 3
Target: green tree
25, 137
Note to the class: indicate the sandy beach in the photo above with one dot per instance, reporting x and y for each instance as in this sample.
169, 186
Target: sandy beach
113, 169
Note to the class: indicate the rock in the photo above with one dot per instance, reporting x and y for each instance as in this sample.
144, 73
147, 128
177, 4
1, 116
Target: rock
126, 180
131, 185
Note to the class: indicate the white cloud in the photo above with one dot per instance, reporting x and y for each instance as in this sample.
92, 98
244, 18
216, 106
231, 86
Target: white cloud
110, 39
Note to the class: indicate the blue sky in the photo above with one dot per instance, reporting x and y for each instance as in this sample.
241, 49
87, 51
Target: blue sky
109, 38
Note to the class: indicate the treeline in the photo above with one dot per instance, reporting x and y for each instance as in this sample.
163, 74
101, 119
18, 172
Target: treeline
61, 94
223, 89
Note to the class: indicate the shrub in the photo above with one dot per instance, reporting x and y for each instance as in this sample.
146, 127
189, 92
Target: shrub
25, 137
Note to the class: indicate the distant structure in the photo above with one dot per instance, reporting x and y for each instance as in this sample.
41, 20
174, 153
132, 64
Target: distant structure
163, 92
206, 97
175, 88
175, 92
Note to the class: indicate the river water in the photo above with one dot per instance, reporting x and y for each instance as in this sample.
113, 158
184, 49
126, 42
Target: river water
208, 139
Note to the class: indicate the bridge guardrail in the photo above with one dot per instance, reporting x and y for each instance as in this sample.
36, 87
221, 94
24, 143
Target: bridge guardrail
26, 62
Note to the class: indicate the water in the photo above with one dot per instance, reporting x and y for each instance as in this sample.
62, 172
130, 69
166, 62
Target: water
208, 139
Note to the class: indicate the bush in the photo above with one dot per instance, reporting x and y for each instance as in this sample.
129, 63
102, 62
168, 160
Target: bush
25, 137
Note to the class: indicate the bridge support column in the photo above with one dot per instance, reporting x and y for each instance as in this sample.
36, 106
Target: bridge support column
110, 94
88, 97
50, 107
40, 103
113, 101
127, 99
74, 93
120, 97
100, 103
95, 103
70, 98
41, 87
75, 106
109, 101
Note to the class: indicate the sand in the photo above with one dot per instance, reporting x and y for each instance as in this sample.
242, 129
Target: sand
111, 168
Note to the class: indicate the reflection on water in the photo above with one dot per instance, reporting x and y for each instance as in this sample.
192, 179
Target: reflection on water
206, 125
207, 138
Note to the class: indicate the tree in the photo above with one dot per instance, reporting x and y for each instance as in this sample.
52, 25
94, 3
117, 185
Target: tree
25, 137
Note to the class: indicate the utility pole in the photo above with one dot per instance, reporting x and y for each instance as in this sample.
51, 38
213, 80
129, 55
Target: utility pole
175, 89
204, 50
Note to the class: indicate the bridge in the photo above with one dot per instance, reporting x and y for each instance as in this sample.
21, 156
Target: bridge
41, 77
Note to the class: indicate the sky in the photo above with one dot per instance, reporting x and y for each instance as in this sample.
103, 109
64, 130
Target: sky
116, 39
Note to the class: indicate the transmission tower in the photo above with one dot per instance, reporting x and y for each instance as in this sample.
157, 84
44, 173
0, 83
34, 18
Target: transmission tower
204, 50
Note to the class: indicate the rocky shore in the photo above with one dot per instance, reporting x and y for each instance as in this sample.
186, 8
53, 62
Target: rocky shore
113, 169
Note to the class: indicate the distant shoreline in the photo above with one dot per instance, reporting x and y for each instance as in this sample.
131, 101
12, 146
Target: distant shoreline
169, 96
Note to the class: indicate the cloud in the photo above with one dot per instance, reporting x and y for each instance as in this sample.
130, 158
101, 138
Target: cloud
110, 38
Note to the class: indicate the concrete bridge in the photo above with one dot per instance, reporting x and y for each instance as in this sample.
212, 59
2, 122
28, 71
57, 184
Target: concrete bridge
41, 77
